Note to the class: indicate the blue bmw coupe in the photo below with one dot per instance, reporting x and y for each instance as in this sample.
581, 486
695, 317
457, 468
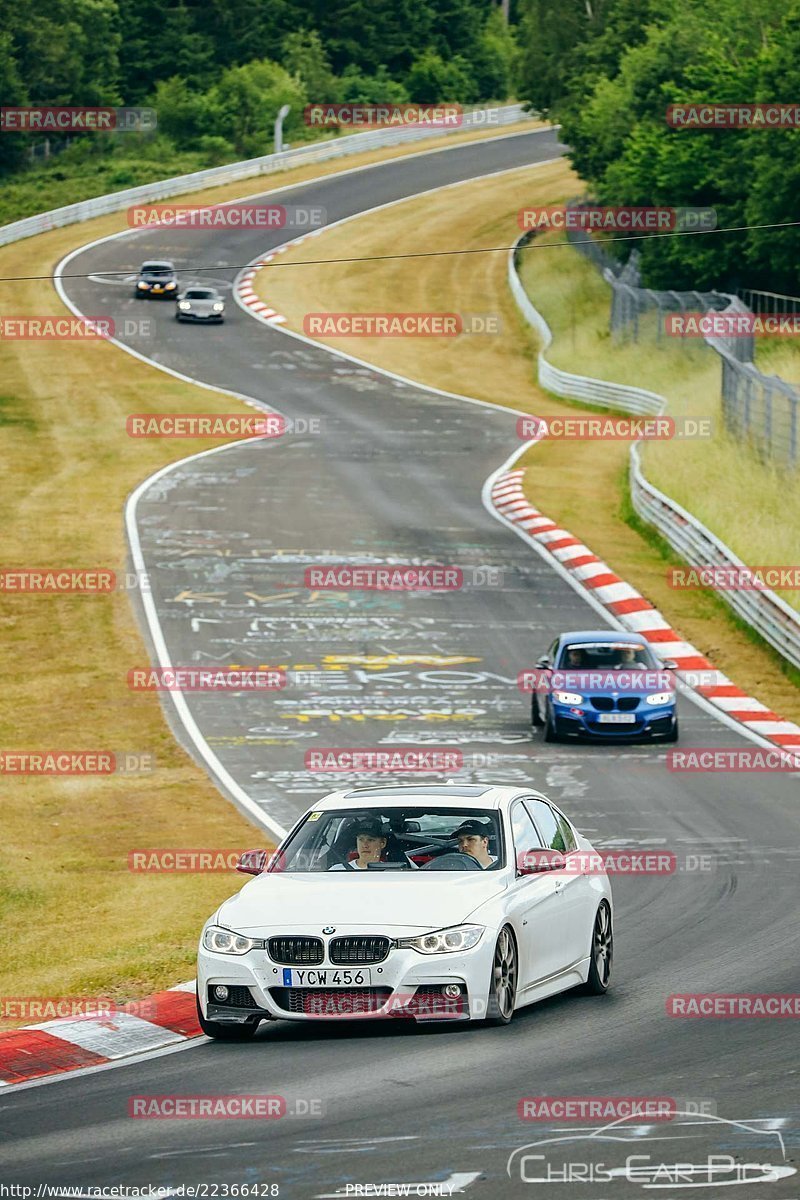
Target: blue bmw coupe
603, 684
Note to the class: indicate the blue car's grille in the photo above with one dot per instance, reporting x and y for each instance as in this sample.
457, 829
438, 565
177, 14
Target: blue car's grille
609, 704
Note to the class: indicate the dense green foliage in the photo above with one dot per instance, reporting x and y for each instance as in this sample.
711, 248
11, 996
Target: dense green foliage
609, 68
217, 71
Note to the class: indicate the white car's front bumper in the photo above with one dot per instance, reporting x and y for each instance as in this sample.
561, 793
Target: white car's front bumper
393, 990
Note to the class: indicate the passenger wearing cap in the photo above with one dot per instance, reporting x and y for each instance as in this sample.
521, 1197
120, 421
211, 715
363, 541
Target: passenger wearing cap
473, 839
370, 844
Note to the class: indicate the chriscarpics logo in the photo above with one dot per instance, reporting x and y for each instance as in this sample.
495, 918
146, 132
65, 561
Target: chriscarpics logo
690, 1149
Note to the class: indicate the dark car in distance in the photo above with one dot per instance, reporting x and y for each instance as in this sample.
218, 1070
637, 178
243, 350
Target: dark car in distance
157, 277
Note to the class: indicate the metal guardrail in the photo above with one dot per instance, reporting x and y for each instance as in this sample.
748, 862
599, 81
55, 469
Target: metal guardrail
315, 152
776, 621
564, 383
761, 409
773, 618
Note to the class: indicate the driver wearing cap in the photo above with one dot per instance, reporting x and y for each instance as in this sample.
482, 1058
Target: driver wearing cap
473, 839
370, 844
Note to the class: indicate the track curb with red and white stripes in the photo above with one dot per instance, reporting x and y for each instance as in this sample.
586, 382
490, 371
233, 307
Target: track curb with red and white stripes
73, 1043
246, 295
607, 591
630, 610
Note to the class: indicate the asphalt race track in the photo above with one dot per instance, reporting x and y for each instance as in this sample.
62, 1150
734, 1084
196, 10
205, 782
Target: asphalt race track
396, 472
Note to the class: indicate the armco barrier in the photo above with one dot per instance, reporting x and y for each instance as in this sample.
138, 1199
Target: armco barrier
776, 621
340, 147
576, 387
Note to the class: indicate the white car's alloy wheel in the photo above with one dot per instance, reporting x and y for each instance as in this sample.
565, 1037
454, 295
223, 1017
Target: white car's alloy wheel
503, 993
602, 952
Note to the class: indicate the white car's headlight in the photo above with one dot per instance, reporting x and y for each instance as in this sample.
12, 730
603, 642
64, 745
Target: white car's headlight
184, 305
568, 698
225, 941
660, 698
219, 306
444, 941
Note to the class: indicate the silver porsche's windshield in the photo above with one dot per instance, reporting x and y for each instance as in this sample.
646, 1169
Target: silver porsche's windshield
377, 839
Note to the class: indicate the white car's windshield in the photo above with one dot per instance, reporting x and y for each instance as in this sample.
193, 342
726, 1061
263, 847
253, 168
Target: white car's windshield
376, 839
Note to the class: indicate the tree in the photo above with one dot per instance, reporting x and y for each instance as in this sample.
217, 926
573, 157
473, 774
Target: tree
773, 255
493, 60
358, 88
13, 146
432, 80
244, 104
184, 115
305, 56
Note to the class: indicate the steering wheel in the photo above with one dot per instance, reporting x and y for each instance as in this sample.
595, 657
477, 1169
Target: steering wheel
453, 861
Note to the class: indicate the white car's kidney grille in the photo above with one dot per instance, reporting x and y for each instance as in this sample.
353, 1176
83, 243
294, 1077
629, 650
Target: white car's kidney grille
358, 949
296, 951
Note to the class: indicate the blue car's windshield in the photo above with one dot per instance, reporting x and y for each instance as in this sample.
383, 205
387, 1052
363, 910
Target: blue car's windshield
606, 656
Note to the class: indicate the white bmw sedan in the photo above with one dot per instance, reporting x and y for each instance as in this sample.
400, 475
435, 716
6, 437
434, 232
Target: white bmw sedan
339, 922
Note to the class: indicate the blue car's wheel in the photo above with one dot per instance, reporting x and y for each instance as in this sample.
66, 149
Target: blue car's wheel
672, 736
550, 732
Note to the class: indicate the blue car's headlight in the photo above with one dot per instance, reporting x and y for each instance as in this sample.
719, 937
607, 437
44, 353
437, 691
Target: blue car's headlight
660, 698
225, 941
568, 697
444, 941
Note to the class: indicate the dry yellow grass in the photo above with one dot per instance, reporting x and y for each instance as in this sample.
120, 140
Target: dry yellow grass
750, 504
501, 369
75, 920
779, 358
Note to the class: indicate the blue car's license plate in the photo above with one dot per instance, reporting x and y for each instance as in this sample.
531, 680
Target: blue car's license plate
326, 977
617, 719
